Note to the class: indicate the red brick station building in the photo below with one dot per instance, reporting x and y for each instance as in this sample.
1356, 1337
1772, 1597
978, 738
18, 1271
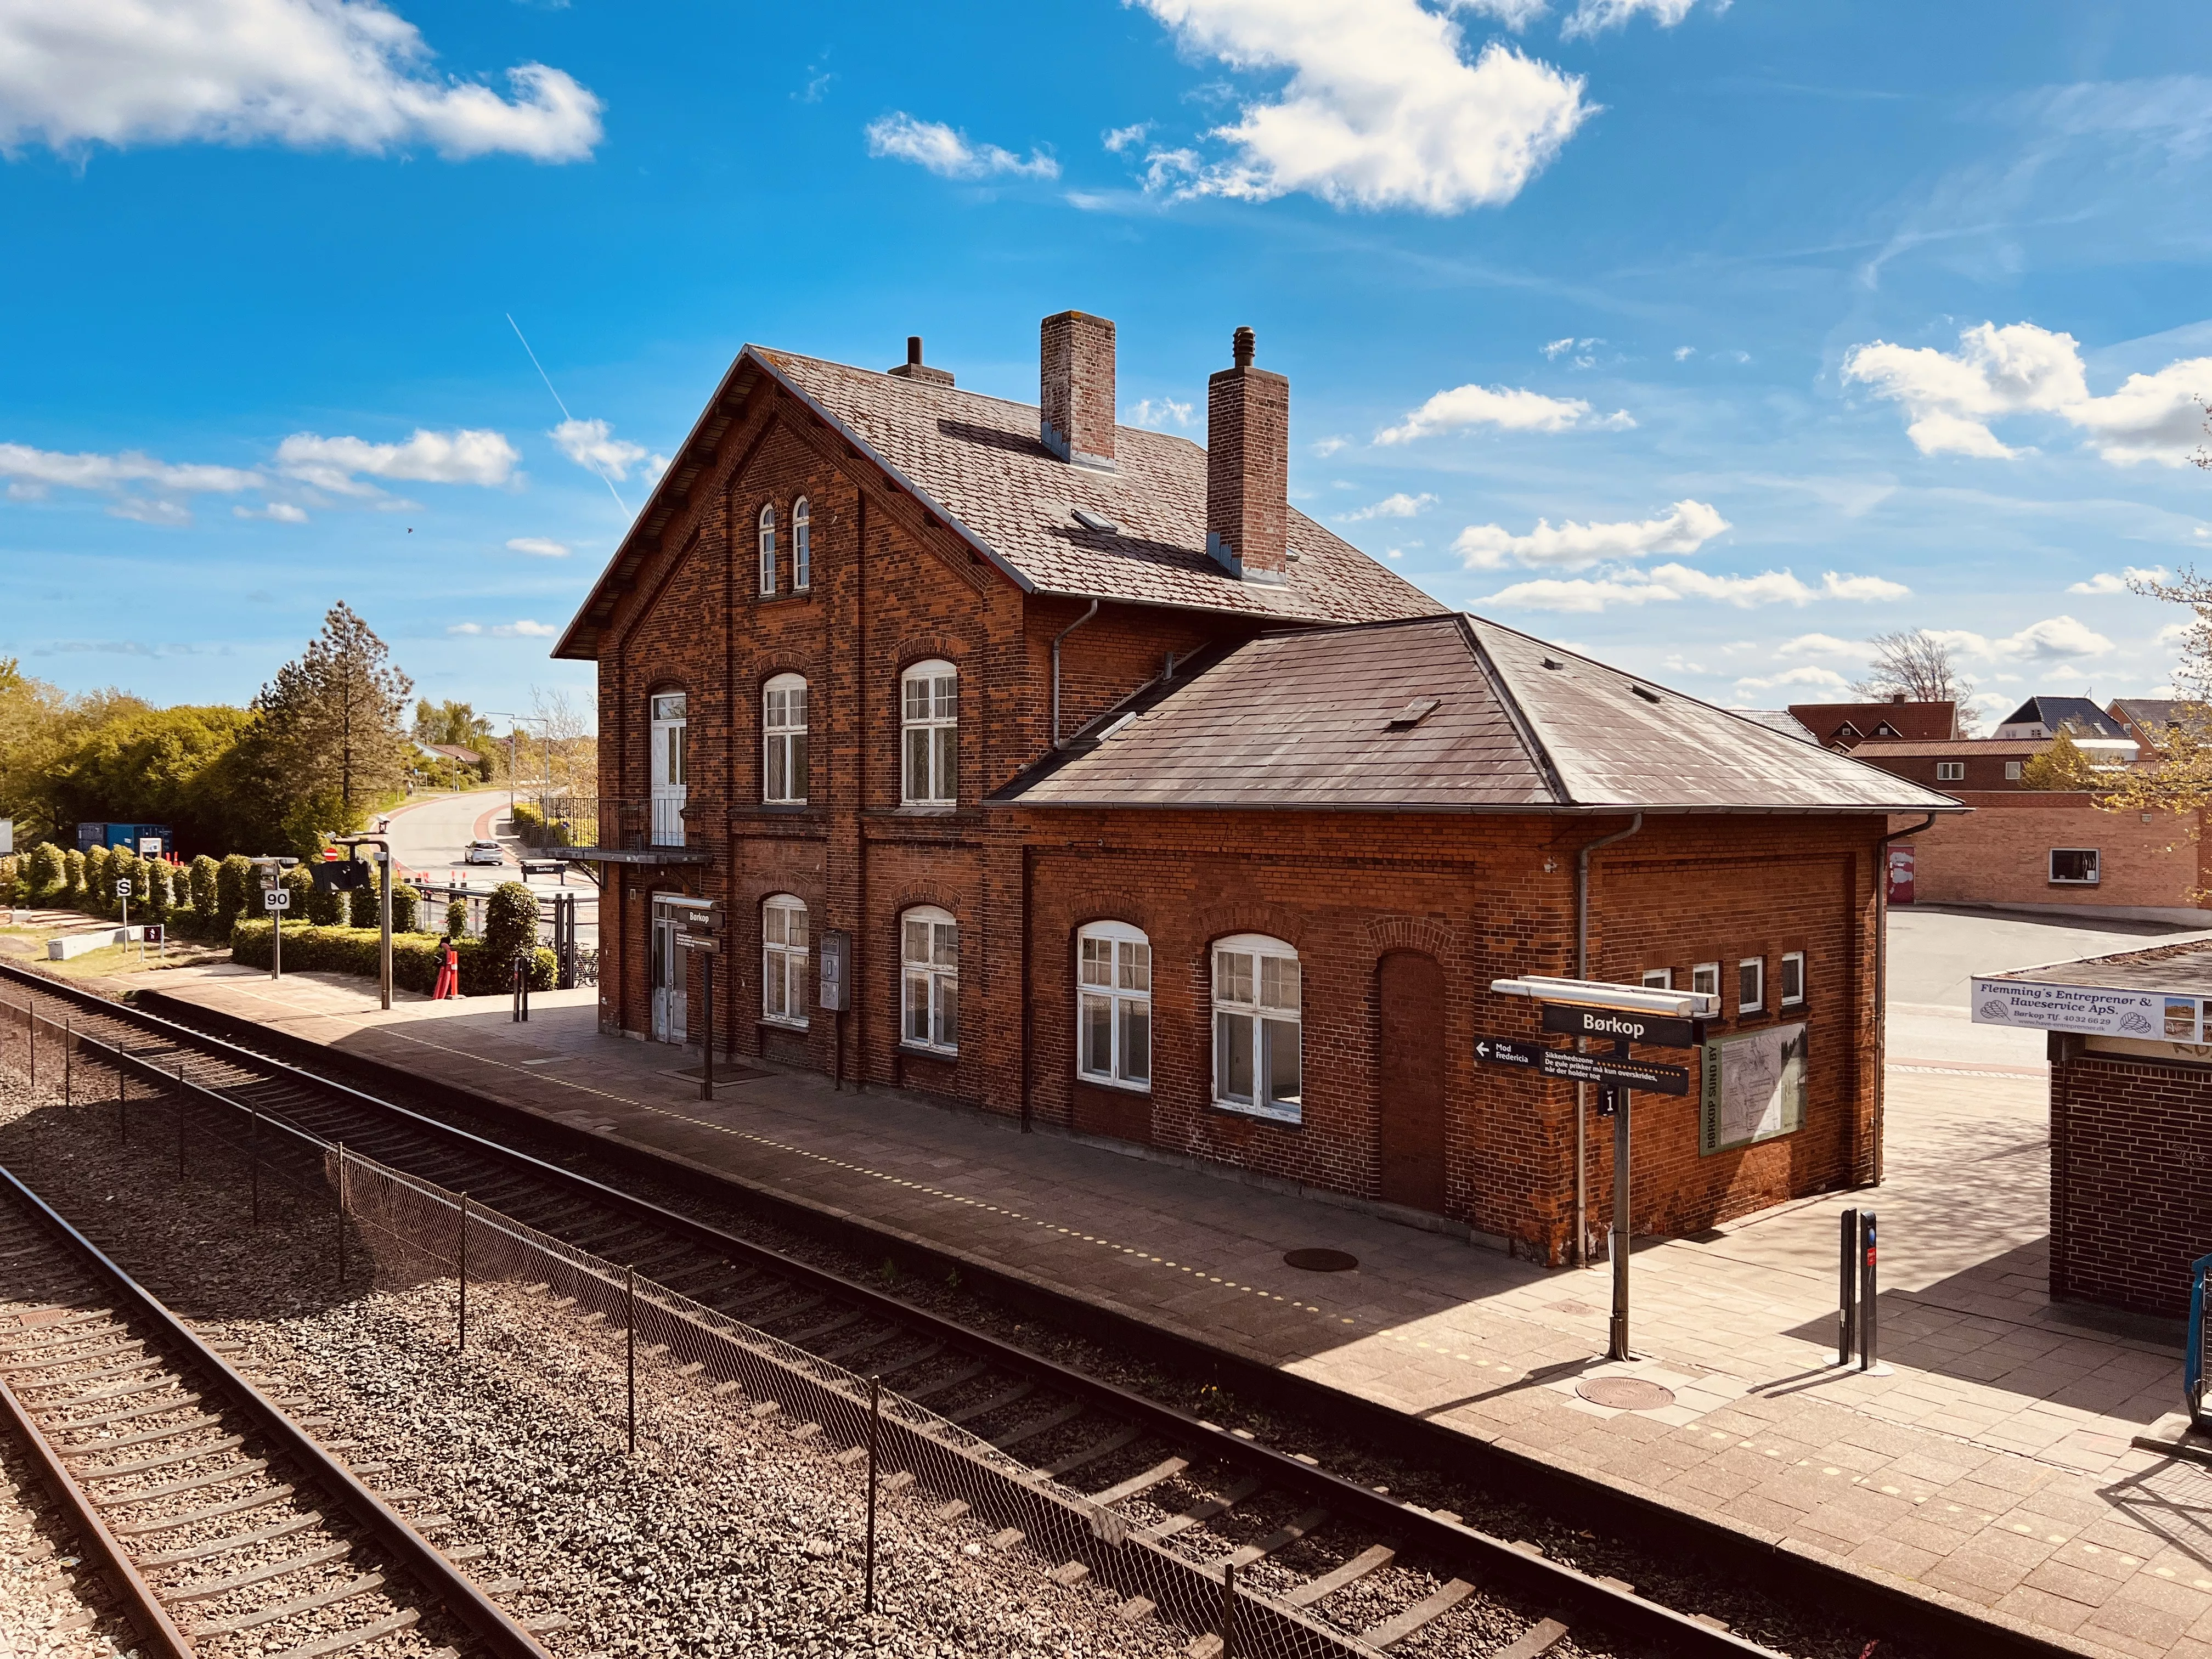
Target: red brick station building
1149, 811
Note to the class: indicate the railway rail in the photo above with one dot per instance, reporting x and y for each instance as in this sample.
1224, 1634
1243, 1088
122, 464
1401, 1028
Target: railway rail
221, 1523
1374, 1569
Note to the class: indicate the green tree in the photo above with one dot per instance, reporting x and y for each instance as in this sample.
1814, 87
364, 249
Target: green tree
73, 876
140, 765
207, 907
2062, 766
234, 888
99, 884
47, 872
510, 921
333, 722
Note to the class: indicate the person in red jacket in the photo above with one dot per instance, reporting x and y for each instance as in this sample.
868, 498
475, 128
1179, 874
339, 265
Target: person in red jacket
449, 969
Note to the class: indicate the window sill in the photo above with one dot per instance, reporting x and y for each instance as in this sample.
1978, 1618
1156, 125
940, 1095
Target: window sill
785, 808
1114, 1082
925, 1051
1293, 1118
927, 809
770, 1022
2056, 883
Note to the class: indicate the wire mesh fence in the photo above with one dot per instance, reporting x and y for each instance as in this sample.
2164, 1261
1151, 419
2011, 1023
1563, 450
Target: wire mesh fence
932, 1477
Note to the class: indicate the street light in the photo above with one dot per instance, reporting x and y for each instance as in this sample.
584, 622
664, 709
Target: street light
546, 720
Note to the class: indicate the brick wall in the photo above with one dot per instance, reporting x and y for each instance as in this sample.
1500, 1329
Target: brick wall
2130, 1179
2000, 854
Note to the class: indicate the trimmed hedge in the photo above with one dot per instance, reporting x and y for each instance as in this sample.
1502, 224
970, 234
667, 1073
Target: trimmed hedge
413, 957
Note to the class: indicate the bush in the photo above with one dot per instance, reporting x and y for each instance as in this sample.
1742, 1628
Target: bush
413, 957
510, 921
406, 902
301, 886
325, 905
201, 877
235, 888
155, 894
456, 919
98, 897
47, 872
73, 876
529, 825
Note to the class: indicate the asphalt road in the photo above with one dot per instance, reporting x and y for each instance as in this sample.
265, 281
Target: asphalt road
429, 837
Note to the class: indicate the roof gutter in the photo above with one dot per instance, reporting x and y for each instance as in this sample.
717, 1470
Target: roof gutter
1057, 639
1581, 1089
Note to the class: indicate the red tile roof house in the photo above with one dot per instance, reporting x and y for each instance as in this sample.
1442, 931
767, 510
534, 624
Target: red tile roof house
1150, 812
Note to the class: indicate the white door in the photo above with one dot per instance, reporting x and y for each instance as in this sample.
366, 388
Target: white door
670, 973
668, 769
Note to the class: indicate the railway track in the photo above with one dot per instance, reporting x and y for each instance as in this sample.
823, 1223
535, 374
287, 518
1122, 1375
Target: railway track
1373, 1571
222, 1525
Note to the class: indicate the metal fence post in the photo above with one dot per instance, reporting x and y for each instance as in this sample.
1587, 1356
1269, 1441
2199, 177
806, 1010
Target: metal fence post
122, 1100
1847, 1294
340, 1213
180, 1123
68, 1080
253, 1166
1228, 1631
875, 1419
31, 1034
461, 1346
630, 1331
1867, 1358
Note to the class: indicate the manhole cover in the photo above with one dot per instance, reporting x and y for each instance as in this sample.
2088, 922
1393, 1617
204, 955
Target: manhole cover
1322, 1261
1625, 1394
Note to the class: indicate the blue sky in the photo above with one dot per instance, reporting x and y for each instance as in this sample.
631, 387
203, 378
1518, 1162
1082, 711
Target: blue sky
1711, 339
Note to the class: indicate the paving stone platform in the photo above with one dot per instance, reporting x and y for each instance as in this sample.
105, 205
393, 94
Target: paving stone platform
1992, 1469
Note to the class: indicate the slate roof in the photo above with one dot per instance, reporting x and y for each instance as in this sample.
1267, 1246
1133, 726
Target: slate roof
979, 463
1779, 720
1442, 714
1874, 753
1921, 722
2077, 715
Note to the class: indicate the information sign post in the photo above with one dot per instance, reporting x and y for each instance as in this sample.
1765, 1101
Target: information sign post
123, 894
276, 900
834, 959
701, 936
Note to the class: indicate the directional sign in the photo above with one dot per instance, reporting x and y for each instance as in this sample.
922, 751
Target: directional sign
277, 898
153, 935
1582, 1068
1658, 1030
123, 888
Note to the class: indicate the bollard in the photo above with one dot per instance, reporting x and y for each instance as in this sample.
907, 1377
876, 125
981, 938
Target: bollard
1868, 1359
875, 1417
1847, 1292
630, 1327
463, 1344
1228, 1631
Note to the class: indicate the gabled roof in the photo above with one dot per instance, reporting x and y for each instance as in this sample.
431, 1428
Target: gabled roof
2153, 714
1911, 722
1442, 714
2077, 715
978, 463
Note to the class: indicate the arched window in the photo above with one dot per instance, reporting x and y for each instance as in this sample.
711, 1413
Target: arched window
768, 548
783, 727
929, 971
670, 729
783, 961
802, 545
930, 726
1255, 1027
1114, 1005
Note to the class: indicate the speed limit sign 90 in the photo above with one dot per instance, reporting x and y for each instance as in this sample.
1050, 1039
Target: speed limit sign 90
123, 888
277, 898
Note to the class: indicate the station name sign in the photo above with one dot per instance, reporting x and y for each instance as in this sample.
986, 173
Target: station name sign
1611, 1025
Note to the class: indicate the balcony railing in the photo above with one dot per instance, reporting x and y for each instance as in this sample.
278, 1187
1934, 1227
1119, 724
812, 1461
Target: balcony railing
611, 823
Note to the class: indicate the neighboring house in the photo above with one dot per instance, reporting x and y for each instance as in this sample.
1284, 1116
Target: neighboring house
1845, 726
1133, 804
2147, 720
1779, 720
1962, 764
2094, 732
449, 751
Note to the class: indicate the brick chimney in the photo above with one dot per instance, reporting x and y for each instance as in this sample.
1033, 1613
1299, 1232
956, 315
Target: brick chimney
914, 369
1075, 388
1248, 468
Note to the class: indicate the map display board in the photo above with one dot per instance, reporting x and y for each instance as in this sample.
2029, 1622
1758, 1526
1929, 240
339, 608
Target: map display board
1753, 1088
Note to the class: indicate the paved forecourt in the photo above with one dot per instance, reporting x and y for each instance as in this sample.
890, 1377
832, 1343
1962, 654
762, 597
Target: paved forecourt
1991, 1471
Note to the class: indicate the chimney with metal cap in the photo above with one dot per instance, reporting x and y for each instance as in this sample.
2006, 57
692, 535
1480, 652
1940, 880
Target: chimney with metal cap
1075, 388
1247, 467
913, 368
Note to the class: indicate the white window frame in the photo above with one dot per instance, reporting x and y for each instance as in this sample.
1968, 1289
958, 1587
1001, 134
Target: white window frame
1755, 1004
1793, 997
783, 741
2012, 771
670, 763
785, 949
1113, 985
1705, 979
1950, 771
802, 546
768, 550
929, 734
1250, 997
2096, 867
1659, 979
929, 980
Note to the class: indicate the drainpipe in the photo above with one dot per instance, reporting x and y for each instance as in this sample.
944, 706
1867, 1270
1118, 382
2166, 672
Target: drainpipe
1057, 639
1881, 981
1581, 1089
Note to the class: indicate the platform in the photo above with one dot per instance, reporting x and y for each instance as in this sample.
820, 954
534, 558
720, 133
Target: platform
1993, 1470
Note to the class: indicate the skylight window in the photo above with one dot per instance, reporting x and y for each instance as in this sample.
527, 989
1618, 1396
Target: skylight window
1097, 521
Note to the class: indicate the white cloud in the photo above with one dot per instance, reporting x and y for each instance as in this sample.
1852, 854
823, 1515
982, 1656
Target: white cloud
1400, 506
1147, 412
513, 630
37, 468
1593, 16
1950, 398
1820, 645
2106, 582
152, 509
593, 445
1381, 110
1554, 348
1118, 139
537, 547
1512, 409
465, 627
1683, 354
344, 74
1669, 582
1395, 552
1515, 15
282, 511
470, 456
2173, 634
1326, 447
2053, 640
1684, 528
1825, 678
949, 154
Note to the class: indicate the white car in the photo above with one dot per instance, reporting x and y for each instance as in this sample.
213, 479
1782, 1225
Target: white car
485, 852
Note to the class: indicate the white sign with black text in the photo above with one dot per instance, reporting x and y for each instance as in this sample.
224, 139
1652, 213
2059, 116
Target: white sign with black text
2089, 1009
